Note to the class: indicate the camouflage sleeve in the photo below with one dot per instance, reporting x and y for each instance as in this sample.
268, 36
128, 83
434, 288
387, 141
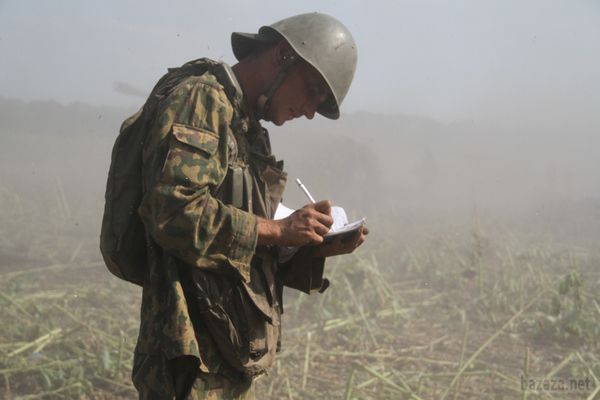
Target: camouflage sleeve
304, 272
189, 159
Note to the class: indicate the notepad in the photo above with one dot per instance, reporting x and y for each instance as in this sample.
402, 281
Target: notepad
340, 227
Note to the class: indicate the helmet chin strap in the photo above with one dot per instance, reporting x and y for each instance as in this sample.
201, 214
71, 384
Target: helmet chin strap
263, 103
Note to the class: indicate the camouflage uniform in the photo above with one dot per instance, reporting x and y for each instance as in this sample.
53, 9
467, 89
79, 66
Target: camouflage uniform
203, 145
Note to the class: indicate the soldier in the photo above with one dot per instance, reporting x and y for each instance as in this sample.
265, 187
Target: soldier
212, 293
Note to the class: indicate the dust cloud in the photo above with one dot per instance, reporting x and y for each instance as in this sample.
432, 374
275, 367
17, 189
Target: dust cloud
379, 166
479, 278
465, 218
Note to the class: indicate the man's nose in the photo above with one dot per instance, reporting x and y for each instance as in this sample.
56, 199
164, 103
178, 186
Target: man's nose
309, 112
309, 109
313, 105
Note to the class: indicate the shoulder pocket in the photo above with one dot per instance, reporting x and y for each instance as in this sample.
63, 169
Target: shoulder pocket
192, 158
201, 139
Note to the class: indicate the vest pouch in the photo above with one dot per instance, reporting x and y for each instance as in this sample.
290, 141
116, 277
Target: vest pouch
242, 326
261, 290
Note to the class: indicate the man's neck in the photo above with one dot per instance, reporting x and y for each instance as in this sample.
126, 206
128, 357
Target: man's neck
247, 83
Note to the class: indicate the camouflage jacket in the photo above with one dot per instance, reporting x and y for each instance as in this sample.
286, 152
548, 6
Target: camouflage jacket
196, 138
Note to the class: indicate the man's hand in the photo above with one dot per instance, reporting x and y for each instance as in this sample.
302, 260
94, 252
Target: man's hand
305, 226
342, 244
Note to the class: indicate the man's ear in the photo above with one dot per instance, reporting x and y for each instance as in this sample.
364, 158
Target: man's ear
283, 53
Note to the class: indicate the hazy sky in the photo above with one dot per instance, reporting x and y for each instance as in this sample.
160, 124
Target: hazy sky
450, 60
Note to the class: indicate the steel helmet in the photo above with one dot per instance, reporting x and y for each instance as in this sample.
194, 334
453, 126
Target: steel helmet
320, 40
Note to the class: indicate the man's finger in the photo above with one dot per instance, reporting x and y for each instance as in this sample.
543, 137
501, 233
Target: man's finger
320, 228
325, 219
315, 239
323, 206
360, 241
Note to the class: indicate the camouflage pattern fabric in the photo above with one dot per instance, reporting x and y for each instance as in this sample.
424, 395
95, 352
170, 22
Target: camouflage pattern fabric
183, 221
156, 378
187, 160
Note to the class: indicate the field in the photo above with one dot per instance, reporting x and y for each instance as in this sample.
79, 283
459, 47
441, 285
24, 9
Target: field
450, 311
468, 138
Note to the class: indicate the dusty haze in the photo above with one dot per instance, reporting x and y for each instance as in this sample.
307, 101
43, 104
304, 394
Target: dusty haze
372, 164
454, 106
469, 139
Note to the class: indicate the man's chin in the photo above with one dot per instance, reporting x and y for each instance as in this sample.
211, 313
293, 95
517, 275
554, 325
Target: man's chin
275, 119
278, 121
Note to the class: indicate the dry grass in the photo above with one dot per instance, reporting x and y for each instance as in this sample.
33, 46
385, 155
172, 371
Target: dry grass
454, 314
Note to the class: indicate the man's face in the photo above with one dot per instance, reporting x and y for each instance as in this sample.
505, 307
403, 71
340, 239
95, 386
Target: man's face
300, 94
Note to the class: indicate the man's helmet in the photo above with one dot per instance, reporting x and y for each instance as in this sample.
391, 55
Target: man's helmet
320, 40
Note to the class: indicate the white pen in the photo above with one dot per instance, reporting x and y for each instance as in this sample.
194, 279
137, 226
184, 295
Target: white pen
305, 190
